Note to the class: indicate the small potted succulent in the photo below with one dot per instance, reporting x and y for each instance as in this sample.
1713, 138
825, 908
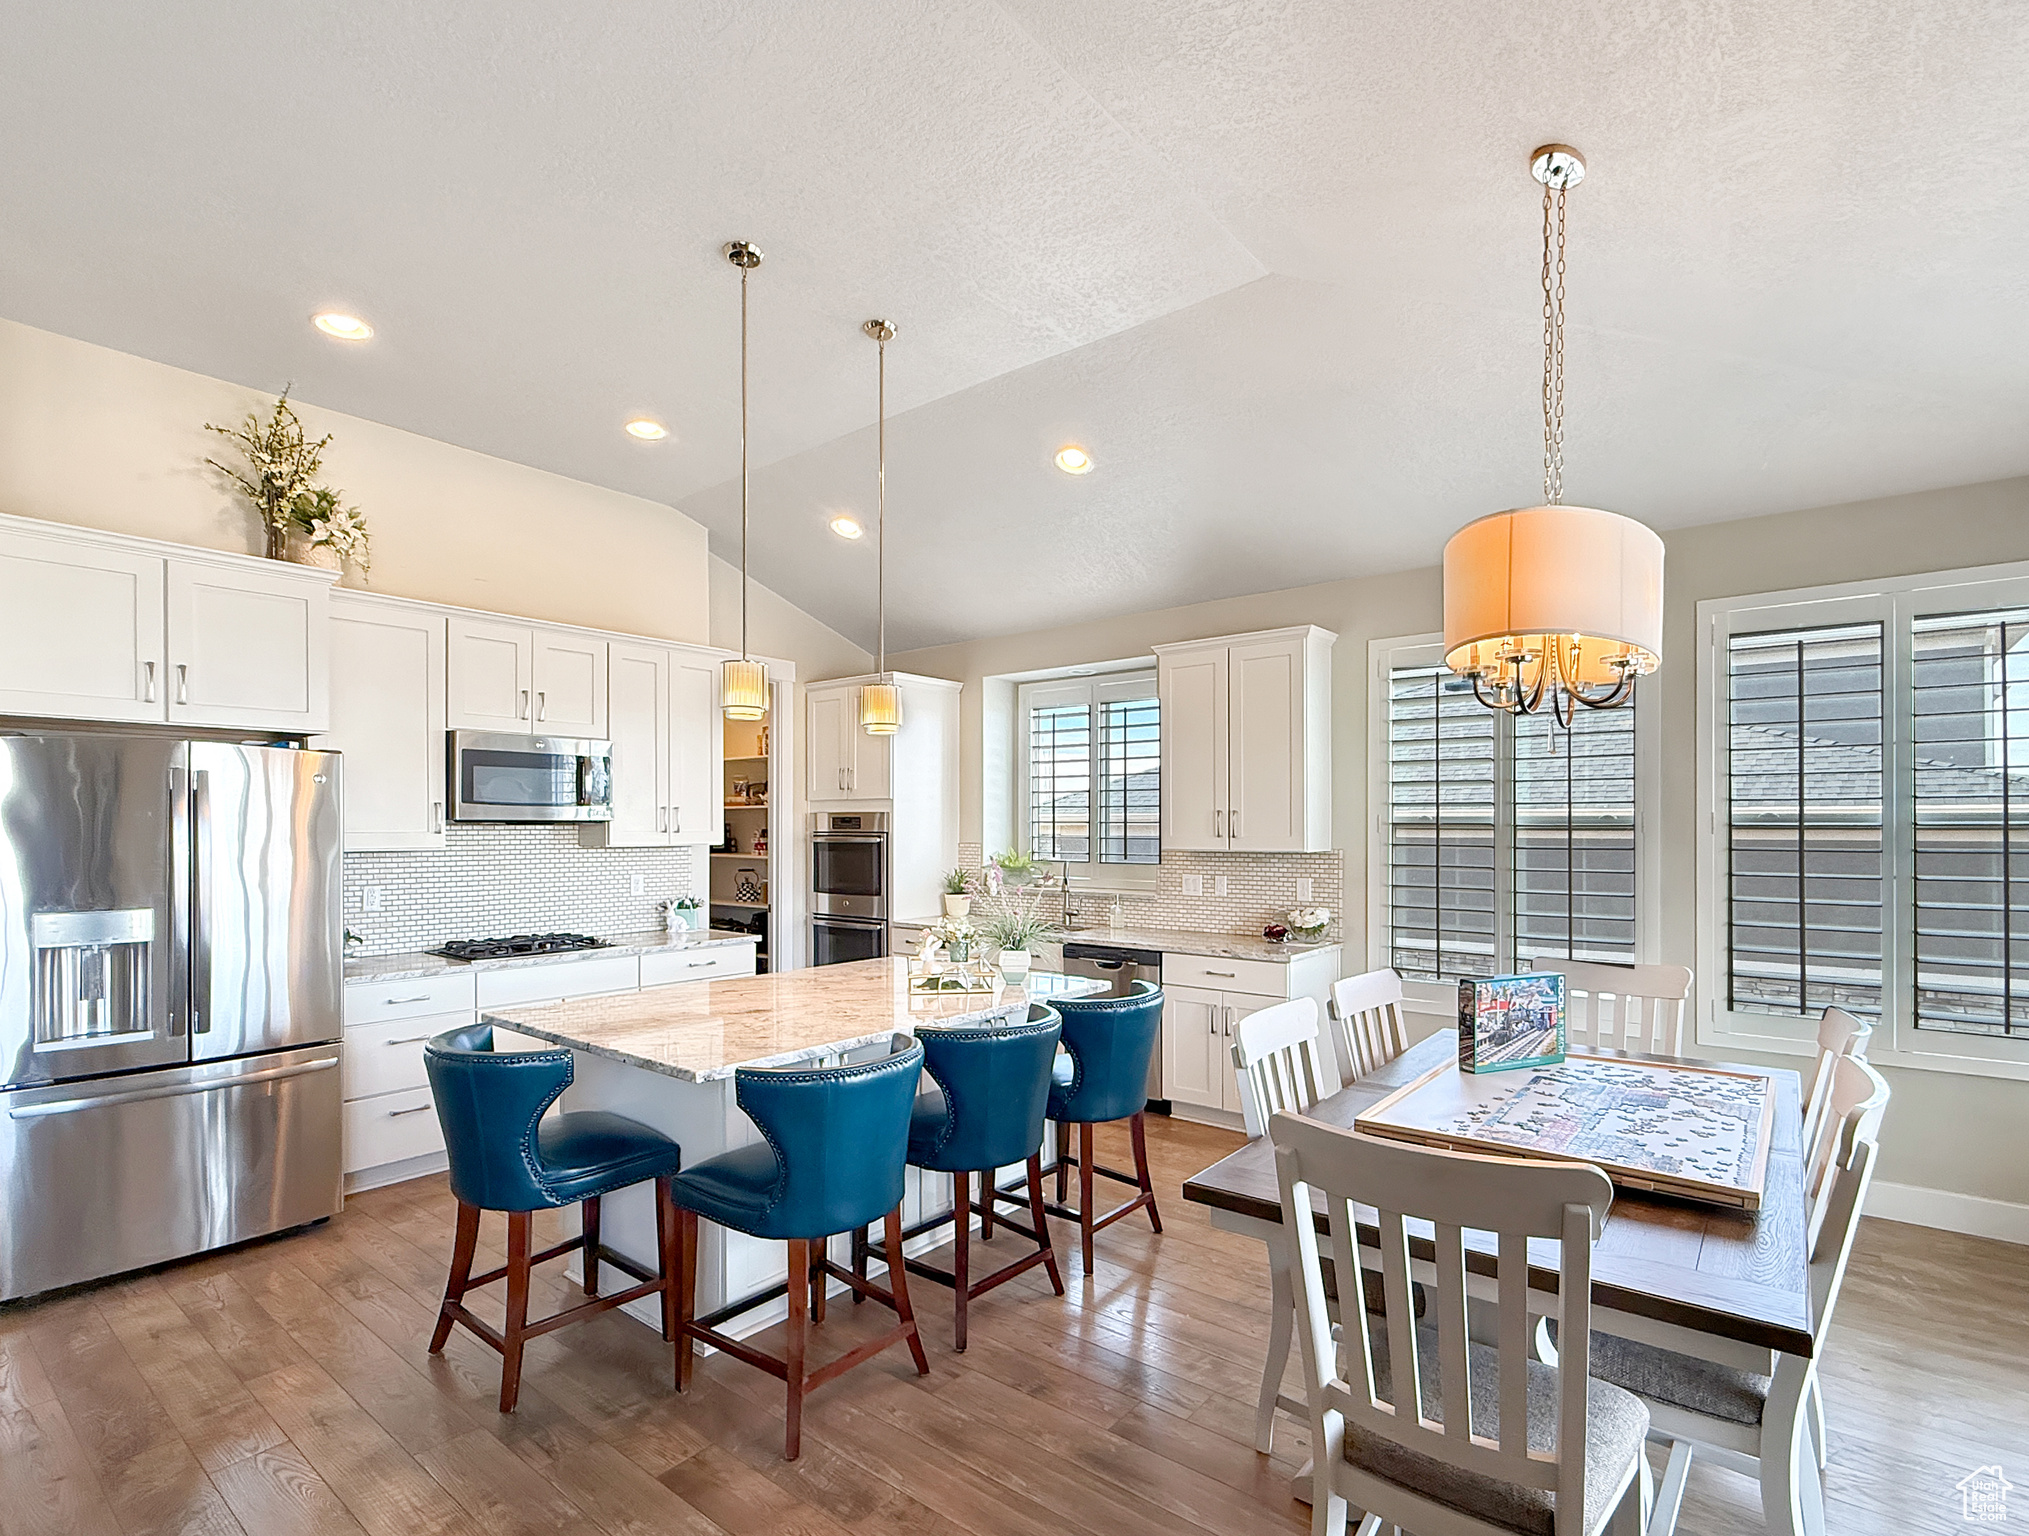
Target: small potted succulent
957, 893
1017, 933
1016, 868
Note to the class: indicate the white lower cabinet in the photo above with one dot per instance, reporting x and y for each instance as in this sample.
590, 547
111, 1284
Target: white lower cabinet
1204, 1000
390, 1128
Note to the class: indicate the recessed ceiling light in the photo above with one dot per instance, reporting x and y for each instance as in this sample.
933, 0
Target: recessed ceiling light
344, 327
1074, 460
647, 428
846, 527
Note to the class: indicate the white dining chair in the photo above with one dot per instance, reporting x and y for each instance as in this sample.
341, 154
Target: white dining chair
1623, 1007
1768, 1427
1277, 1059
1839, 1034
1369, 1025
1413, 1421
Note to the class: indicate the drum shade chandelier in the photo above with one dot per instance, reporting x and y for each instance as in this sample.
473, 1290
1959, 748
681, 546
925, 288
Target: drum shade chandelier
743, 684
881, 702
1551, 607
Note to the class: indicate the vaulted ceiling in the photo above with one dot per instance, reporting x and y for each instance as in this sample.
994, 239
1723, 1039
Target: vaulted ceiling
1273, 264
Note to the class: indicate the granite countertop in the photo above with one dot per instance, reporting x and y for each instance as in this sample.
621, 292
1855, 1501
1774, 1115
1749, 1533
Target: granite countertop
414, 963
703, 1031
1180, 941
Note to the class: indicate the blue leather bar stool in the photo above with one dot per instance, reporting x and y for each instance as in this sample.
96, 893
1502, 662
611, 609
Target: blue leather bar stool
831, 1160
505, 1157
1110, 1041
986, 1111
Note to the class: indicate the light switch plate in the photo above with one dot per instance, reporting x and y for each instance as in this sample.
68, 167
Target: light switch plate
1194, 885
1303, 888
369, 899
1220, 888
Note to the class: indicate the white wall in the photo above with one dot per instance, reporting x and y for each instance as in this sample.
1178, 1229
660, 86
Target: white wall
777, 627
107, 440
1946, 1131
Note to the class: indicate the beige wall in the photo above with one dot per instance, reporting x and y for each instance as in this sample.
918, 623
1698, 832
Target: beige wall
777, 627
107, 440
1947, 1131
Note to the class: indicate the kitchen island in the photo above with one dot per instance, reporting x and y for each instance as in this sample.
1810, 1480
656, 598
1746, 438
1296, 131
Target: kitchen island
667, 1056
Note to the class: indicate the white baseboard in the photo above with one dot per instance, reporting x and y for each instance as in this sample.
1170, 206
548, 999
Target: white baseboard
1947, 1211
396, 1173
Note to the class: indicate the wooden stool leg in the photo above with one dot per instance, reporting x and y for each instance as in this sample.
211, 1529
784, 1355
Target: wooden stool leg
591, 1240
666, 1254
859, 1260
986, 1206
461, 1271
1134, 1128
961, 1255
898, 1286
1086, 1136
1063, 1160
819, 1246
517, 1309
799, 1325
686, 1293
1042, 1221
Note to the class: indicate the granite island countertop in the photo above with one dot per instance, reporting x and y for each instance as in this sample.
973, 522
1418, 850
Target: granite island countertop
409, 965
704, 1031
1182, 941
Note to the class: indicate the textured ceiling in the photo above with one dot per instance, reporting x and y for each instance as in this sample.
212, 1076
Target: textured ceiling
1274, 264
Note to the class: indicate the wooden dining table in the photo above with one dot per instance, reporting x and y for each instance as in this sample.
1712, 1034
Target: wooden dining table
1724, 1284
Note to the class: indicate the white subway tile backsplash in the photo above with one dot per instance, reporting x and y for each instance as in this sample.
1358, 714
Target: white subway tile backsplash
494, 880
1258, 889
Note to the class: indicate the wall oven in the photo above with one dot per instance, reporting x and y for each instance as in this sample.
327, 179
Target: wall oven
497, 776
849, 879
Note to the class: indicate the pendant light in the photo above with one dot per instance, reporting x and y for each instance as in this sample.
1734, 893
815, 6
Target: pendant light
743, 684
1551, 607
881, 702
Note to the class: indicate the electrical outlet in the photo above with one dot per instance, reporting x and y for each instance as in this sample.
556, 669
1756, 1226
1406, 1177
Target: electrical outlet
1220, 887
369, 899
639, 885
1303, 889
1194, 885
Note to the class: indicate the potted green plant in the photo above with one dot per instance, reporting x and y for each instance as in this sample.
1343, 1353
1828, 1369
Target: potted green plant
1016, 933
1016, 868
957, 893
690, 911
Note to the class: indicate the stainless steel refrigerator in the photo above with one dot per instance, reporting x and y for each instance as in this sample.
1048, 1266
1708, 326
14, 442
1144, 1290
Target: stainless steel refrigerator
170, 1000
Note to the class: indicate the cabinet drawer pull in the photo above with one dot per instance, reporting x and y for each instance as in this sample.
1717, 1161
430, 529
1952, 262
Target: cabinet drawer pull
182, 682
395, 1002
676, 818
405, 1040
1229, 975
691, 965
416, 1110
1218, 824
436, 815
148, 694
662, 821
522, 713
542, 707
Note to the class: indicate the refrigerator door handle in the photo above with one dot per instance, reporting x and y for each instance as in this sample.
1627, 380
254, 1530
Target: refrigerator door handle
200, 870
170, 1091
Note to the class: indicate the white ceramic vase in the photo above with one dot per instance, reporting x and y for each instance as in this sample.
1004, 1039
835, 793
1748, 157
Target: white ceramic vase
957, 906
1014, 966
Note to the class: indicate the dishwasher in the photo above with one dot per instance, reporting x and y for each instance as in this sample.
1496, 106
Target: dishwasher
1122, 967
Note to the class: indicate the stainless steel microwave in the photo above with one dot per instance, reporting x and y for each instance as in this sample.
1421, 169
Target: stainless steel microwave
498, 776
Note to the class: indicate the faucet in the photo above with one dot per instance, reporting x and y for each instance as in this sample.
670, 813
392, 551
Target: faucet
1070, 912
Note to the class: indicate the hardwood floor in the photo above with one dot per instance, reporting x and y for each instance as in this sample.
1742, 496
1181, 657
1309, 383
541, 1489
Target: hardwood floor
284, 1388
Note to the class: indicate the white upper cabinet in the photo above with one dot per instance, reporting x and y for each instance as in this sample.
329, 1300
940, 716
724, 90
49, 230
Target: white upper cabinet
638, 721
249, 646
492, 675
570, 683
1246, 742
831, 721
81, 632
514, 677
697, 748
387, 717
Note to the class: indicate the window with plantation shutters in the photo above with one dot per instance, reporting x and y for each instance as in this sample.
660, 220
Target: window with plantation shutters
1864, 771
1508, 843
1092, 788
1805, 784
1969, 691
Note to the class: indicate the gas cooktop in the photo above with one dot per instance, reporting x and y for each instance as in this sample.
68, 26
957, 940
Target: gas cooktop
520, 944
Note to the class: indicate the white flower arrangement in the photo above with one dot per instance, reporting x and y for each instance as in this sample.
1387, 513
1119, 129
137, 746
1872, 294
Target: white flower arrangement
340, 529
1309, 922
